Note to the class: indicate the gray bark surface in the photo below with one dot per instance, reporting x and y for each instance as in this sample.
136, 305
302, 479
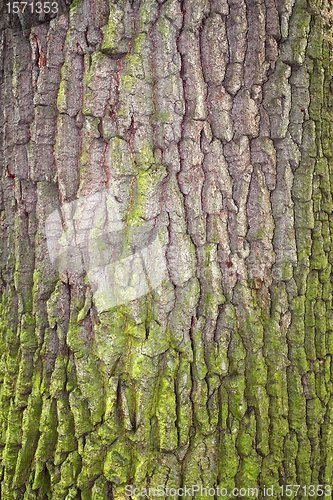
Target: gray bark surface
166, 248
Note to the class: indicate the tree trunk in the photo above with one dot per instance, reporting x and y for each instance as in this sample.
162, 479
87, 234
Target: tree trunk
166, 249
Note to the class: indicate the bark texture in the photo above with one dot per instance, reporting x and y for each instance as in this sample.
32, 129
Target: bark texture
209, 125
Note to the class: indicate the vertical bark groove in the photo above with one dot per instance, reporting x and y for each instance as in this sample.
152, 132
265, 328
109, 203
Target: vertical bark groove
166, 248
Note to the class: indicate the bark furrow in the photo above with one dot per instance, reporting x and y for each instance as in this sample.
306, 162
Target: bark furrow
166, 248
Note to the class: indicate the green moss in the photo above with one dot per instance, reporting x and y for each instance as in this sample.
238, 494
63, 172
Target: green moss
229, 459
110, 31
315, 42
8, 387
145, 13
251, 328
259, 234
24, 381
28, 340
166, 409
237, 403
327, 133
128, 83
211, 288
48, 438
30, 435
320, 339
310, 343
325, 274
316, 91
75, 338
117, 464
245, 442
53, 311
87, 304
250, 468
303, 460
263, 420
59, 376
256, 374
321, 390
134, 66
329, 338
100, 489
145, 186
164, 27
13, 439
325, 231
140, 366
80, 412
184, 415
297, 402
86, 111
74, 5
138, 43
66, 440
120, 157
62, 96
186, 301
296, 331
290, 450
68, 473
314, 416
327, 291
122, 112
295, 46
318, 256
279, 429
91, 386
312, 285
28, 345
146, 158
14, 77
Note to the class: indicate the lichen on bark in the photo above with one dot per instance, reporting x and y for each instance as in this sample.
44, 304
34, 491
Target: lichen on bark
181, 151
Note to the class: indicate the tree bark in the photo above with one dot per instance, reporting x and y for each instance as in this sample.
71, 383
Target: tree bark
181, 151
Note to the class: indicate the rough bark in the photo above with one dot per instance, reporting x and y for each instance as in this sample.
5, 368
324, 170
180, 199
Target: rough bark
207, 128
